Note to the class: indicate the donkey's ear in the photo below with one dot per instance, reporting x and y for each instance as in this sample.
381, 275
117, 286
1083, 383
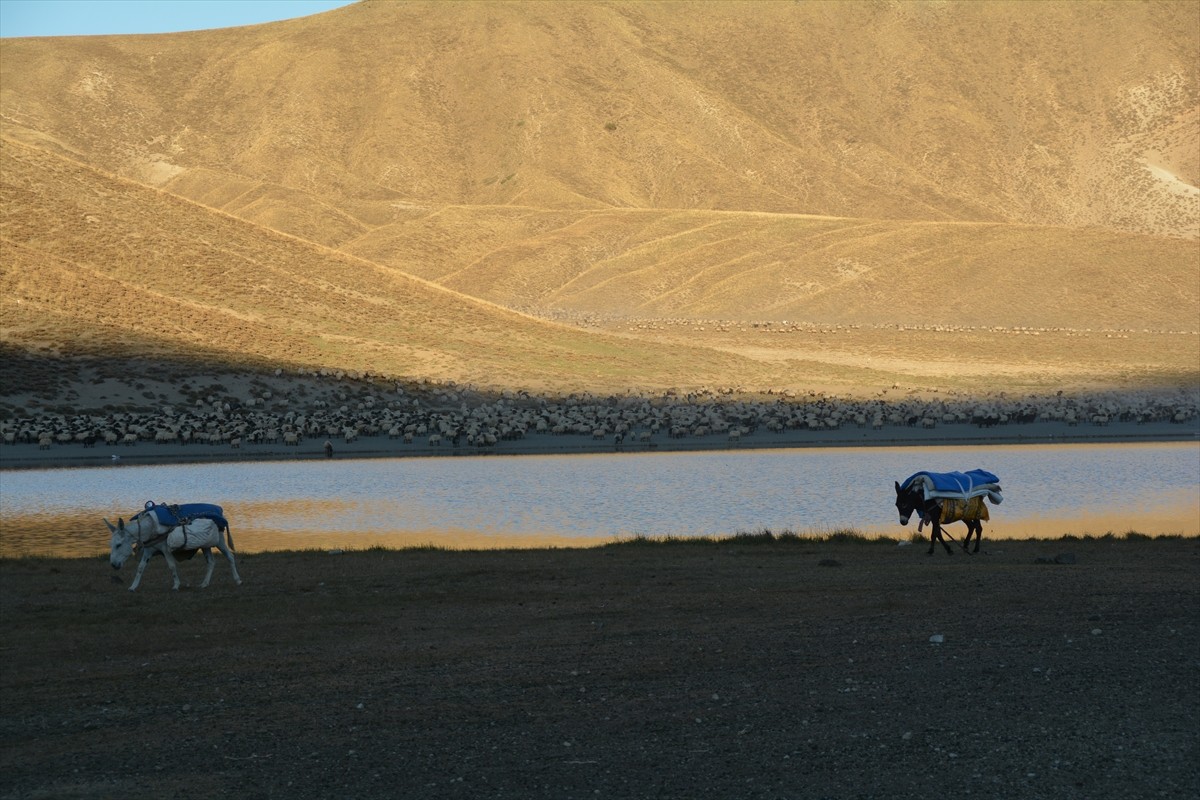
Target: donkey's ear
897, 487
121, 523
110, 525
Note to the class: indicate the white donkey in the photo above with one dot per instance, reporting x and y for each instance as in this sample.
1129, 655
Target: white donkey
146, 533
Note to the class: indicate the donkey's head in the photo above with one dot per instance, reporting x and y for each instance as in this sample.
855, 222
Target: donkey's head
121, 543
906, 503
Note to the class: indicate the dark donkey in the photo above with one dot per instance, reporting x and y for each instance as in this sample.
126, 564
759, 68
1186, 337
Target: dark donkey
939, 498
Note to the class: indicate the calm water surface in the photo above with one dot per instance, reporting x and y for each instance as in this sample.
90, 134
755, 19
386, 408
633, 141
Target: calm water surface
581, 500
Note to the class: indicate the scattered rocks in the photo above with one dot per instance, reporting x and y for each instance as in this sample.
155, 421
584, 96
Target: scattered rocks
1061, 558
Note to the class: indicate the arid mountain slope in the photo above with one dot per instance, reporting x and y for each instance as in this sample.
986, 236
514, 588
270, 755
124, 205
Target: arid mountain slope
85, 269
983, 112
743, 266
334, 190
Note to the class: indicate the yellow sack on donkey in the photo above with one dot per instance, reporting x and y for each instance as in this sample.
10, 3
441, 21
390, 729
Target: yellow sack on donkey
956, 510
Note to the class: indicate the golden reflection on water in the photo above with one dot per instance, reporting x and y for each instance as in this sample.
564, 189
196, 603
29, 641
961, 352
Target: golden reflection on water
291, 525
1183, 523
63, 535
267, 540
340, 524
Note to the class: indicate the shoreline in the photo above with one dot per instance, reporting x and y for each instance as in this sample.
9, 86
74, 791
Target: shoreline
73, 456
851, 540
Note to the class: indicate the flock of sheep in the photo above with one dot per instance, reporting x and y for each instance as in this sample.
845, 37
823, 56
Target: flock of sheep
463, 418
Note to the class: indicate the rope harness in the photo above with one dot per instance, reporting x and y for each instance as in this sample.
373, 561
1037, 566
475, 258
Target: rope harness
162, 537
926, 519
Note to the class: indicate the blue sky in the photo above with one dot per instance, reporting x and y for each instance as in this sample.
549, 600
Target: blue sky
89, 17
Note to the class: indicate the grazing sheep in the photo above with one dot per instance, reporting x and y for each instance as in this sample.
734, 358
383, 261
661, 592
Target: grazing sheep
699, 413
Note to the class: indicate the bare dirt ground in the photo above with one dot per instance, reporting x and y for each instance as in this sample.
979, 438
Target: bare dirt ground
698, 670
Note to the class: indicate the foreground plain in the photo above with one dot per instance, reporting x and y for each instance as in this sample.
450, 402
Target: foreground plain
759, 670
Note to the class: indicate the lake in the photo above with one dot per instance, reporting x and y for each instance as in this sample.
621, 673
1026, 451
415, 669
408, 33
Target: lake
576, 500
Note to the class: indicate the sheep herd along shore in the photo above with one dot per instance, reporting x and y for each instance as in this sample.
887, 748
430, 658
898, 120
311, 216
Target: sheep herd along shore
357, 416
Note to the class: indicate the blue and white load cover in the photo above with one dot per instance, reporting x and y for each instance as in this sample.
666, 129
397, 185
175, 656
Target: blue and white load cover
188, 511
956, 485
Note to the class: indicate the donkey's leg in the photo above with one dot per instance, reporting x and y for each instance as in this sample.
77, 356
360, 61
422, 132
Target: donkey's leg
935, 536
137, 577
212, 562
228, 551
937, 531
173, 564
978, 535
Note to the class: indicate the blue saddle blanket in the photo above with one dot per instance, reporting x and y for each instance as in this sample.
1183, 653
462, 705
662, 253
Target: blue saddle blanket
959, 485
185, 512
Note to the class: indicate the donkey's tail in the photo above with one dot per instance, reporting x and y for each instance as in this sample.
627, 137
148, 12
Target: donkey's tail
229, 536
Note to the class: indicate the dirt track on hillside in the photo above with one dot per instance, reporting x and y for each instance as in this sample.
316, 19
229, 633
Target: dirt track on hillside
781, 670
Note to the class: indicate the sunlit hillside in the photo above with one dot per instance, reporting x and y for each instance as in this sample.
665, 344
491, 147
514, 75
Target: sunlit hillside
622, 194
83, 268
745, 266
